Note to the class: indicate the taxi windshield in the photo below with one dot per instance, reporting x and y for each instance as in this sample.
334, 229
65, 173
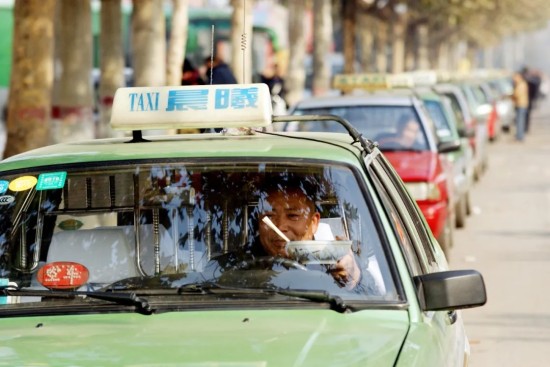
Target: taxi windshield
394, 127
166, 224
440, 119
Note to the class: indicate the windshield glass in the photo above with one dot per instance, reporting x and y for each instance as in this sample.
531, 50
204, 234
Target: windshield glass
394, 127
127, 225
440, 118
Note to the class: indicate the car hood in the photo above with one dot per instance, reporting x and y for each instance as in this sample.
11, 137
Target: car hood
207, 338
414, 166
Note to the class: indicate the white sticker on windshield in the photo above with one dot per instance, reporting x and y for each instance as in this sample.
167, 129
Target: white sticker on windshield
6, 199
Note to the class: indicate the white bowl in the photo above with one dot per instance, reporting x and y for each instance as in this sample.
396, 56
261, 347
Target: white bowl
318, 252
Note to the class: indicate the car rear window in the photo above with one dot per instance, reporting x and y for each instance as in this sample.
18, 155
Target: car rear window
373, 122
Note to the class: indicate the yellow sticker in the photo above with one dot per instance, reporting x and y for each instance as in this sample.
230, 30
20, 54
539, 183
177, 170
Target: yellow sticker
23, 183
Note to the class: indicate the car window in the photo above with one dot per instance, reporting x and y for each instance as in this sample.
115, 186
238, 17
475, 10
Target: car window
479, 95
158, 219
442, 124
416, 224
413, 259
385, 124
460, 120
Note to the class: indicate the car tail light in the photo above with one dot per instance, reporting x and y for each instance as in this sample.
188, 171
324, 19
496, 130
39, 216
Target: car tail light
421, 191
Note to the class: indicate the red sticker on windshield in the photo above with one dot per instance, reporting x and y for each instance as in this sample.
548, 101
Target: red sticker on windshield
63, 275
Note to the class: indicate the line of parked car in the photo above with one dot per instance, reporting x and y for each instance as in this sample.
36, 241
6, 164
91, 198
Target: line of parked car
449, 118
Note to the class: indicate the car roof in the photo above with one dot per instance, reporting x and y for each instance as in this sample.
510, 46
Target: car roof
337, 146
384, 98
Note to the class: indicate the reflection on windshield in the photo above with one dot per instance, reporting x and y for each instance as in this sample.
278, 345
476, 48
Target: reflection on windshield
131, 227
394, 127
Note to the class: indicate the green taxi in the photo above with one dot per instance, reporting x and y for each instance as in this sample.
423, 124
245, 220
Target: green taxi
246, 247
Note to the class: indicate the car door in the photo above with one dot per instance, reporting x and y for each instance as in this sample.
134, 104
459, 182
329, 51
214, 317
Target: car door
441, 329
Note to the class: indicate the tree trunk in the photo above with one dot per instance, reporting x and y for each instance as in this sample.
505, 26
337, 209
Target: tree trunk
111, 63
322, 41
422, 34
443, 56
349, 10
241, 40
178, 41
411, 48
398, 43
365, 29
72, 110
31, 77
149, 43
296, 76
381, 46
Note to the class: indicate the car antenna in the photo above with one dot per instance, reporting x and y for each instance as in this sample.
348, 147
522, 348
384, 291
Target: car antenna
212, 53
243, 41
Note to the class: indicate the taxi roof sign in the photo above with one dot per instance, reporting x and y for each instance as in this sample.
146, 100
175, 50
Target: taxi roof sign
349, 82
178, 107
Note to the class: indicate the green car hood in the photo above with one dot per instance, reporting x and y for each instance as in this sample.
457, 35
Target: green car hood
206, 338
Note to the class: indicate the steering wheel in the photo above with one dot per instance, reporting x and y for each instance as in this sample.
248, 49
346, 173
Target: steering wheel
269, 262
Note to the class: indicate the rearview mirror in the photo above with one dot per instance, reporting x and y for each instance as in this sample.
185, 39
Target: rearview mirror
449, 146
450, 290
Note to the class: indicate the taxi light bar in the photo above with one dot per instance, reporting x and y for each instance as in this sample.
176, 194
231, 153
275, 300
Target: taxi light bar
371, 82
348, 82
181, 107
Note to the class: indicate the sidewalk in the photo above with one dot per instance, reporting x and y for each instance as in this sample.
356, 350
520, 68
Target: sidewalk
508, 240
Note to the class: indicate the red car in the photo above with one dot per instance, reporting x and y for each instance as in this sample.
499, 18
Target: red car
380, 116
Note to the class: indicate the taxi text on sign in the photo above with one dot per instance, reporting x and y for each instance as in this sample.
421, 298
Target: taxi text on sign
191, 106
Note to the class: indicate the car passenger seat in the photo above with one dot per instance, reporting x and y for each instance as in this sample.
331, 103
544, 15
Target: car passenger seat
105, 252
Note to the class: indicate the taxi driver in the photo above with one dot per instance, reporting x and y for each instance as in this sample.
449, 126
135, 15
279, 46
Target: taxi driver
294, 214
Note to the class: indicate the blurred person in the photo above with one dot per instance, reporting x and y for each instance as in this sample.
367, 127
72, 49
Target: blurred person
217, 71
533, 80
406, 136
274, 81
189, 74
520, 96
276, 84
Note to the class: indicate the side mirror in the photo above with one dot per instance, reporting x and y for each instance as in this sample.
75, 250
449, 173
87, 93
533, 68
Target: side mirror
466, 133
449, 146
450, 290
484, 109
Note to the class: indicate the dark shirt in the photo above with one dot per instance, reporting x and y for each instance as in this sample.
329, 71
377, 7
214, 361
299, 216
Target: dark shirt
221, 74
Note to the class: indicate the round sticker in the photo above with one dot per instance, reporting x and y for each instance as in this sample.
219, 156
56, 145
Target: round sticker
3, 186
23, 183
70, 225
62, 275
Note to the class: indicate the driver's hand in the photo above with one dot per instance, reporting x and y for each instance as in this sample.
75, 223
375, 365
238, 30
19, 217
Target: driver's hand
346, 271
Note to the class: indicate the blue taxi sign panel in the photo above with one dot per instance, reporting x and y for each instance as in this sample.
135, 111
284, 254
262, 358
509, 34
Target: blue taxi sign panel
175, 107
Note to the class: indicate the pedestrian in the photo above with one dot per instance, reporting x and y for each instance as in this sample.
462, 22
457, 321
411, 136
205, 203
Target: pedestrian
533, 80
520, 97
217, 71
276, 84
274, 81
189, 74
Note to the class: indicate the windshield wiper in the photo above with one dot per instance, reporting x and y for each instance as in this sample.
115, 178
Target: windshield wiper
336, 302
127, 299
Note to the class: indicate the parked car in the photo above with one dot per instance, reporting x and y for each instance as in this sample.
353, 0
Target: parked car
134, 251
503, 88
377, 115
474, 131
460, 161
